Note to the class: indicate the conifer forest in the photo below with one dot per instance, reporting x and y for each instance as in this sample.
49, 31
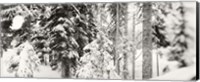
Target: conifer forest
124, 41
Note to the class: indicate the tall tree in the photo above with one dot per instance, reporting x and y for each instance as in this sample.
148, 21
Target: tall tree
0, 39
98, 55
116, 55
133, 40
147, 41
123, 41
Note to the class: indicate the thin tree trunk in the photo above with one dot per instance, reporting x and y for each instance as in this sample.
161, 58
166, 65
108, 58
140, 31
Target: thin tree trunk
126, 73
157, 64
116, 41
147, 41
1, 50
125, 69
131, 36
133, 47
124, 26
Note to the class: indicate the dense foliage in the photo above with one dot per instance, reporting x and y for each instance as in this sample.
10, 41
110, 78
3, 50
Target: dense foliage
60, 35
87, 40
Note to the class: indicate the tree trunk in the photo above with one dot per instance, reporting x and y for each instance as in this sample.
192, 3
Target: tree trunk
116, 57
131, 37
124, 26
147, 41
1, 47
133, 47
65, 68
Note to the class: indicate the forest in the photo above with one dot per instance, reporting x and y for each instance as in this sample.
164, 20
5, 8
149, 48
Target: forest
135, 41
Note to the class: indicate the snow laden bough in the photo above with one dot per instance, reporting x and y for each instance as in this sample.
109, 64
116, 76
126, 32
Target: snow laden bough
22, 60
98, 59
17, 22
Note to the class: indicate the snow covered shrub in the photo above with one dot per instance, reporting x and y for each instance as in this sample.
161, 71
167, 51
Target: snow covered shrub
97, 62
22, 60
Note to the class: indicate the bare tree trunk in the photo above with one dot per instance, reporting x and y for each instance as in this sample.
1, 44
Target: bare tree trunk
116, 41
157, 64
125, 69
133, 47
1, 47
66, 66
125, 27
147, 41
131, 38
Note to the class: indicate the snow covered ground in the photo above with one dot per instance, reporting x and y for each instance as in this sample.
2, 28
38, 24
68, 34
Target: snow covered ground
45, 72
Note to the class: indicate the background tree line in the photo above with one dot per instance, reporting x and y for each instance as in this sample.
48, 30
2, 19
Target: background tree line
102, 41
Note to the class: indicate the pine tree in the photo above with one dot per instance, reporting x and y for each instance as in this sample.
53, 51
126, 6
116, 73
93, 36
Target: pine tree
61, 31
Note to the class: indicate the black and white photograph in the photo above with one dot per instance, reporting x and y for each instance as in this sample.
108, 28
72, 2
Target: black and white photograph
103, 40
